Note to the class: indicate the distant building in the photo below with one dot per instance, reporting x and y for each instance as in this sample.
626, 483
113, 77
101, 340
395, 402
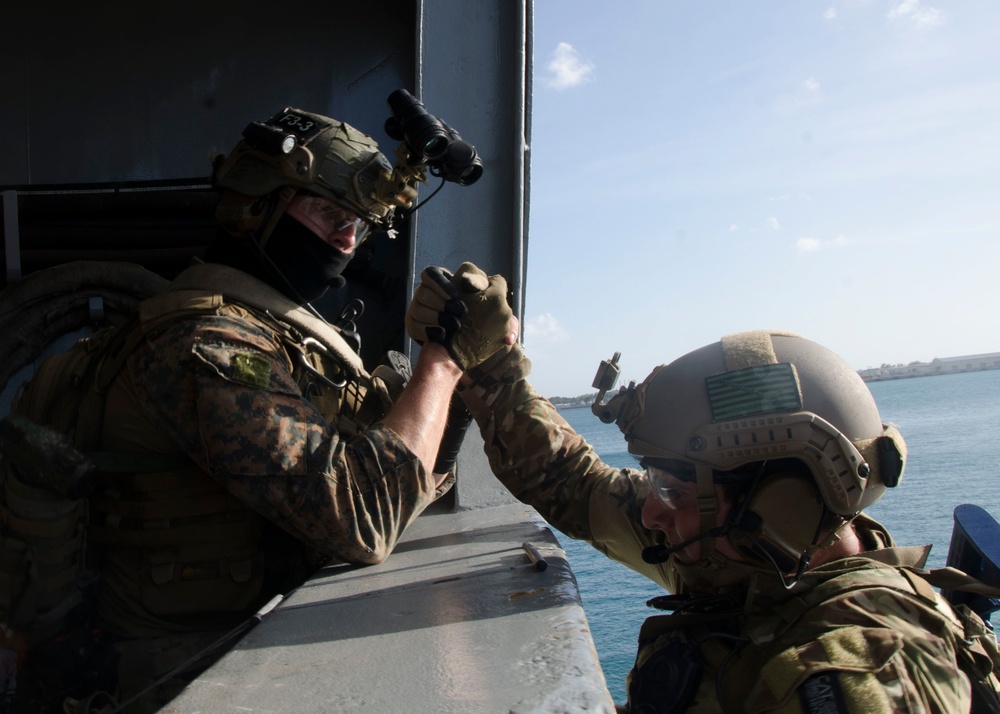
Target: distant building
940, 365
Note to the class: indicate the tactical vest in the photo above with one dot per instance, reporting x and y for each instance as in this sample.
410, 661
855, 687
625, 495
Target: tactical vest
722, 659
166, 532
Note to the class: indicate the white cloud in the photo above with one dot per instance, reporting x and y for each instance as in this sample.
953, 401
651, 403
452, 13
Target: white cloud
807, 94
830, 14
544, 330
772, 222
915, 14
733, 228
814, 245
566, 69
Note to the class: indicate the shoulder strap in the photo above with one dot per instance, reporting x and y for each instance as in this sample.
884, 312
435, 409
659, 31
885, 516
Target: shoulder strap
953, 579
875, 575
237, 286
154, 312
157, 311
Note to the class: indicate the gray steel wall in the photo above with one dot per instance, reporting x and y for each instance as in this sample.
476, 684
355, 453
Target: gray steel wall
139, 91
111, 95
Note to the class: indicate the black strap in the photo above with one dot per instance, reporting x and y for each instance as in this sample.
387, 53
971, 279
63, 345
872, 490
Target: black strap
459, 420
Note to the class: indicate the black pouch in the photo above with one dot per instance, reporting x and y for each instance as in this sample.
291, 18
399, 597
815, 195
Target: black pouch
667, 681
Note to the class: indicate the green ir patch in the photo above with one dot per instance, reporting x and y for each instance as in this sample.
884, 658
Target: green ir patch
755, 390
251, 369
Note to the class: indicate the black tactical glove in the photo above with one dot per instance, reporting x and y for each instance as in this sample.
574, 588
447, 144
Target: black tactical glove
466, 312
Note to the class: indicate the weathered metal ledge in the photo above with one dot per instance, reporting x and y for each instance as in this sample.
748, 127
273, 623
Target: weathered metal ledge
456, 620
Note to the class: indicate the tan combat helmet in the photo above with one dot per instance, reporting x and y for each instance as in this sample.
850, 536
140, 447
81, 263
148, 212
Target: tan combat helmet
765, 396
297, 151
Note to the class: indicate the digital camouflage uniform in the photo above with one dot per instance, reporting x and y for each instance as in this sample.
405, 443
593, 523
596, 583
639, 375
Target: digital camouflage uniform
860, 634
230, 471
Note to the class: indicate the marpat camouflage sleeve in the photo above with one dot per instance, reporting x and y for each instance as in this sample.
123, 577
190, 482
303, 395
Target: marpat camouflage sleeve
224, 391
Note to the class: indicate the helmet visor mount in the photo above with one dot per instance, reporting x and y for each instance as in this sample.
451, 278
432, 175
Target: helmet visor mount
728, 445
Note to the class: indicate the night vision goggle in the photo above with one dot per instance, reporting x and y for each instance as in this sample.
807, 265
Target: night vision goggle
428, 145
430, 142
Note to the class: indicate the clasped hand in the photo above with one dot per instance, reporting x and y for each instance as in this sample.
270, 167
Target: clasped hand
466, 312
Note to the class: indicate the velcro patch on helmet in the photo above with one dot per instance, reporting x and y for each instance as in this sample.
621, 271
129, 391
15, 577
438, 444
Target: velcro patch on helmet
251, 369
302, 124
746, 392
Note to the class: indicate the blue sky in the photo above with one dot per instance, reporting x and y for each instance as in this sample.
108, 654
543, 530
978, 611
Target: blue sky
831, 168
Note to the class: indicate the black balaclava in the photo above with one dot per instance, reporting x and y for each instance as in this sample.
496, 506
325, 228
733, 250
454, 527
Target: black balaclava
297, 262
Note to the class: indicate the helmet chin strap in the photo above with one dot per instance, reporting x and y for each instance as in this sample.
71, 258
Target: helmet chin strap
700, 576
277, 209
707, 509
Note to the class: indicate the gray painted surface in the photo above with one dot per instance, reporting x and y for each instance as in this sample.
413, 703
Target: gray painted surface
474, 66
456, 620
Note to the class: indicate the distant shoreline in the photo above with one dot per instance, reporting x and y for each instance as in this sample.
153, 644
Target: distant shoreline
937, 366
888, 378
573, 405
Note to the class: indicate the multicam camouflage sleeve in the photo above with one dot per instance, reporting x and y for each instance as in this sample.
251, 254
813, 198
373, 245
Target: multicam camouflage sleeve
872, 648
224, 391
543, 462
856, 635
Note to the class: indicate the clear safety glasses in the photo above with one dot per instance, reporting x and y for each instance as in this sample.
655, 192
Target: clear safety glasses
331, 218
670, 491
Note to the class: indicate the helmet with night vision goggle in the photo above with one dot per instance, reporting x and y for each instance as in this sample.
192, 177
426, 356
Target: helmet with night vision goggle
297, 151
785, 416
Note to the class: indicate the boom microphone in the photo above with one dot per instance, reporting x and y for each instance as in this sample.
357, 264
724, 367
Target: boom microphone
656, 554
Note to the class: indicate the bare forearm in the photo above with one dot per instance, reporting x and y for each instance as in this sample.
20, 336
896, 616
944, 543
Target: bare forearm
421, 412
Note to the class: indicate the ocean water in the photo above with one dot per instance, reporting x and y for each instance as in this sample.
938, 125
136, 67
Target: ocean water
951, 424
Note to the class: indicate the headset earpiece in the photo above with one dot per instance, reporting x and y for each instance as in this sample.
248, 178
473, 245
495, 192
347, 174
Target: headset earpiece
783, 516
